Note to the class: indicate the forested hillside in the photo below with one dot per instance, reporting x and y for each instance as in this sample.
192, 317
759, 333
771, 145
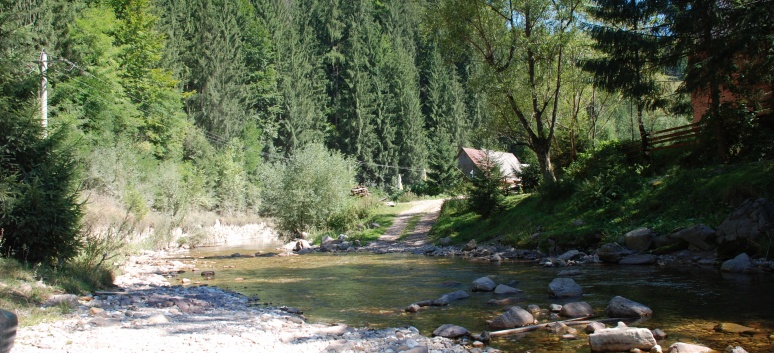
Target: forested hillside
171, 108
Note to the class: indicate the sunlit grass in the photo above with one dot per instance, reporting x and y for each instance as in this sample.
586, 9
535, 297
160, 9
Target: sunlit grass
680, 198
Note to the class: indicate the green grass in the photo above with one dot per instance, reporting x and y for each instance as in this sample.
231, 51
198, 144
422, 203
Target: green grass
676, 198
23, 288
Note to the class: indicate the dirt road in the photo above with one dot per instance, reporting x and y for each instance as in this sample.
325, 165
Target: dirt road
427, 210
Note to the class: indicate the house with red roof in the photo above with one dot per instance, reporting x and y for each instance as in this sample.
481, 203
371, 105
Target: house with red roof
470, 159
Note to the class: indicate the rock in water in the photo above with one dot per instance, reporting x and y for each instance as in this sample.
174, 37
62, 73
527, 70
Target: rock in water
612, 252
622, 307
564, 288
470, 246
514, 317
503, 289
740, 263
681, 347
460, 294
505, 301
483, 284
621, 339
570, 255
577, 309
640, 259
728, 327
450, 331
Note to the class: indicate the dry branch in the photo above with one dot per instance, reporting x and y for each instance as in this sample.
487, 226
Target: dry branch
570, 322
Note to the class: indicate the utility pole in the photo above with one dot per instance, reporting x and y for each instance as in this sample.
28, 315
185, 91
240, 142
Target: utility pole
44, 91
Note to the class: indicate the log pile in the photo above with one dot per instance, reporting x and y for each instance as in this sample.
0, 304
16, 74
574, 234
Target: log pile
360, 190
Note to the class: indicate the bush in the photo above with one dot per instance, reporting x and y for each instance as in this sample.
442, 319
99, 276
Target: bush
41, 215
486, 193
530, 177
309, 190
602, 176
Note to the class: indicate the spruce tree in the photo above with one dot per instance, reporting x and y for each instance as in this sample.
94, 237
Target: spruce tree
631, 39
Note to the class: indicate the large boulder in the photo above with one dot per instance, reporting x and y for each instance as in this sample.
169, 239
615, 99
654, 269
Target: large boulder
621, 339
451, 331
612, 252
470, 246
639, 259
741, 263
483, 284
622, 307
577, 309
639, 239
698, 237
514, 317
564, 288
681, 347
739, 232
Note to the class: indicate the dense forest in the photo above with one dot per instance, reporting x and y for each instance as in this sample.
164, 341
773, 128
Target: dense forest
242, 107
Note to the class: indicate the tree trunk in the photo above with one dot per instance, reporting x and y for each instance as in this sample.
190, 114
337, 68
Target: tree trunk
543, 151
641, 127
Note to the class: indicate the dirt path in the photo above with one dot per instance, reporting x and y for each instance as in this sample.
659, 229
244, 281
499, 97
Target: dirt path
427, 210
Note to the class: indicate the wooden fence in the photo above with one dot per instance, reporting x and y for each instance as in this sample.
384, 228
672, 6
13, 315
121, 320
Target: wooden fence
675, 137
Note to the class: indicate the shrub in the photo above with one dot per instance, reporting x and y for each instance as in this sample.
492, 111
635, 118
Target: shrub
307, 191
41, 218
602, 176
486, 190
530, 177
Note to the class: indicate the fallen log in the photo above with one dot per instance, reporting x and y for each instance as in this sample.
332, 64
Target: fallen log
569, 322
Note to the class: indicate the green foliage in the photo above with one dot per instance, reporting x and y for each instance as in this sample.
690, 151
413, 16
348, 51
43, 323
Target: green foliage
306, 192
355, 215
41, 177
530, 177
603, 176
487, 189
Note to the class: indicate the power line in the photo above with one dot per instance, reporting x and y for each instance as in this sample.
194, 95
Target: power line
212, 136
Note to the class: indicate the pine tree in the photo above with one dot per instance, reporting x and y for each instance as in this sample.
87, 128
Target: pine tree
631, 38
357, 108
300, 119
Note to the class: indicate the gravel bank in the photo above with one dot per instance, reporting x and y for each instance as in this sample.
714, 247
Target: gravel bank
147, 314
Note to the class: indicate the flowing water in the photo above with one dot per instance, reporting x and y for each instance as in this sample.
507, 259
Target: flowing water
369, 290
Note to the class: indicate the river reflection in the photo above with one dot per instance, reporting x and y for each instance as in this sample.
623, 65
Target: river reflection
368, 290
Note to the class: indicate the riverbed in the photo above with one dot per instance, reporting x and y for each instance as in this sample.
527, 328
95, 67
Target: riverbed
370, 290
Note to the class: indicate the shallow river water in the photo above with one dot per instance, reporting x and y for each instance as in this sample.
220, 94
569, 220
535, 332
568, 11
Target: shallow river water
364, 289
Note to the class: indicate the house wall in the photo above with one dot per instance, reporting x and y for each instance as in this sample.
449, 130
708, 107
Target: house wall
465, 164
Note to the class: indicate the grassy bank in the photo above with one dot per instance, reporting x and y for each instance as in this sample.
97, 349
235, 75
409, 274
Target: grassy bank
583, 215
24, 288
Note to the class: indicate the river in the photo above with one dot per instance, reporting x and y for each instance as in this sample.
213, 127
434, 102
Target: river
369, 290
